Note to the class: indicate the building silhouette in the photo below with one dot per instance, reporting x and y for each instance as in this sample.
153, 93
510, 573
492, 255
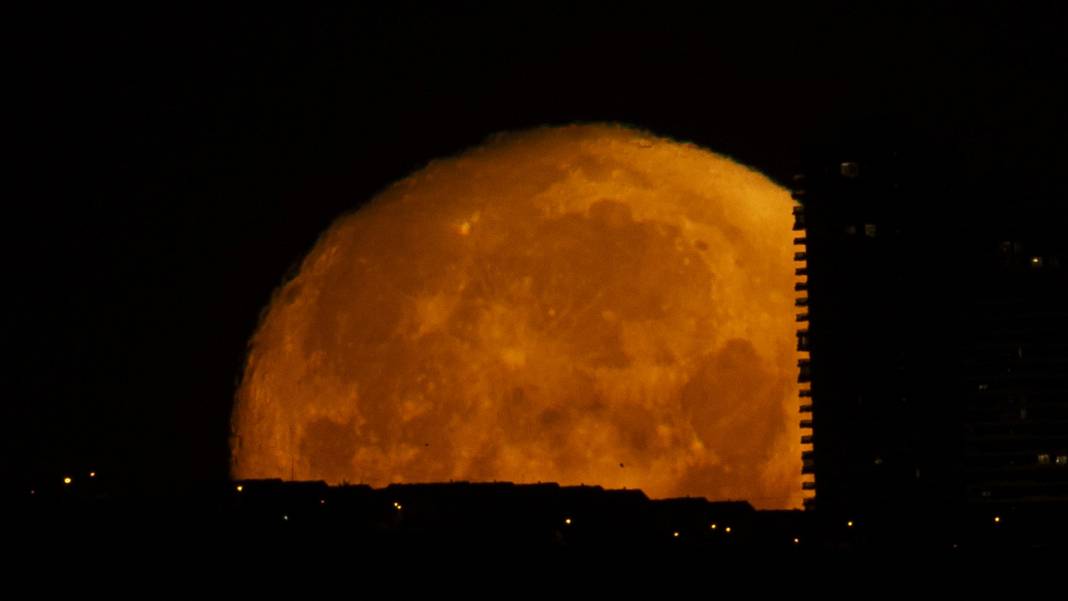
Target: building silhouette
935, 316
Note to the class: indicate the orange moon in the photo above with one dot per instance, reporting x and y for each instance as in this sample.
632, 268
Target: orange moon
582, 304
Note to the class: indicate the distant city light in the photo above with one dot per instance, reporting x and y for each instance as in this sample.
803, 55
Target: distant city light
285, 517
797, 541
240, 488
397, 505
92, 474
675, 534
714, 525
849, 524
727, 529
322, 501
567, 521
997, 519
67, 480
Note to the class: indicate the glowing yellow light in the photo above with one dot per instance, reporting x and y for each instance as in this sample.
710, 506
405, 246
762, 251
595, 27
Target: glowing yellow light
997, 519
1036, 260
567, 521
713, 525
240, 488
797, 541
675, 534
92, 474
849, 524
67, 480
397, 505
727, 529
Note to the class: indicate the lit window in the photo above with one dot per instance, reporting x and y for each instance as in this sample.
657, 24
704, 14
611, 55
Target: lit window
1043, 459
1062, 459
849, 169
1036, 261
869, 230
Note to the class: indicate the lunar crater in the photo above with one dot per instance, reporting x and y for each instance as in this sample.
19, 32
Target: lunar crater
548, 307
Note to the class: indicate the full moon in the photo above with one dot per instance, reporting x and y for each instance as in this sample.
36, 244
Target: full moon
588, 304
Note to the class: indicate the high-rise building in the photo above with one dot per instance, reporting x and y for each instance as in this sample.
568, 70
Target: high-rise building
1014, 370
937, 328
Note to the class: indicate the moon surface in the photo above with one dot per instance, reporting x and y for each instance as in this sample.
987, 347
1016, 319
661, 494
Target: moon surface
582, 304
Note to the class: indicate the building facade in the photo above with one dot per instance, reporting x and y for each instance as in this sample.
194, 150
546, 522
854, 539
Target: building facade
934, 327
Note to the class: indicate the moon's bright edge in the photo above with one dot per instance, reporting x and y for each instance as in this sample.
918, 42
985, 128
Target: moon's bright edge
582, 304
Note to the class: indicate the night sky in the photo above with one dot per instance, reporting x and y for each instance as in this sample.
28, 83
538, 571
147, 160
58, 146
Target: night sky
172, 167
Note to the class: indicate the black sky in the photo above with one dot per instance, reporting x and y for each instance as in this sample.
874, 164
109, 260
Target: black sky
172, 166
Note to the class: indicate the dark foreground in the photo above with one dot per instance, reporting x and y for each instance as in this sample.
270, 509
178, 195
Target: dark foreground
503, 516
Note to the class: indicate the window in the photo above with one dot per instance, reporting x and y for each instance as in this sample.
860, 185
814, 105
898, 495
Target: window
1062, 460
1043, 459
869, 230
849, 169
